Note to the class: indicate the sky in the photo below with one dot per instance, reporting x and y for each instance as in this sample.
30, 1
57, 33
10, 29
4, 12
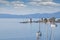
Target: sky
24, 7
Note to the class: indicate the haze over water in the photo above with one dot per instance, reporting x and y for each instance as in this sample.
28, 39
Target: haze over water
11, 29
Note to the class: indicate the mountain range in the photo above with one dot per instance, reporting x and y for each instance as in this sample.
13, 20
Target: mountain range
36, 15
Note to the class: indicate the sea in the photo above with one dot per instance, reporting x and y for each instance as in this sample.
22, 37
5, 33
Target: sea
12, 29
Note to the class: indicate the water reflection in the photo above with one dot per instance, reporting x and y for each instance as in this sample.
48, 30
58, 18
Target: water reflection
11, 29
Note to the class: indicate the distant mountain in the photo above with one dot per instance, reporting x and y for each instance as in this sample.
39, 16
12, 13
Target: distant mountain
44, 15
37, 15
10, 16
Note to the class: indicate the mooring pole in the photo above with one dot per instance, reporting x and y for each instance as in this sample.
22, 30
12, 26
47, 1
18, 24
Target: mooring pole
53, 26
38, 34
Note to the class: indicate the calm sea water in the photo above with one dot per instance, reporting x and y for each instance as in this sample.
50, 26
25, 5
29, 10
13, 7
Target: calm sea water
11, 29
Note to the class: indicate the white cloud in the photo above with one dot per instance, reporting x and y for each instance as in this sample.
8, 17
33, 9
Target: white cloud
35, 0
24, 11
15, 4
35, 6
4, 2
43, 3
50, 4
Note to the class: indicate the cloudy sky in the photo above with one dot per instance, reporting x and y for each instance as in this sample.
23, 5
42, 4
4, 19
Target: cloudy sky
23, 7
